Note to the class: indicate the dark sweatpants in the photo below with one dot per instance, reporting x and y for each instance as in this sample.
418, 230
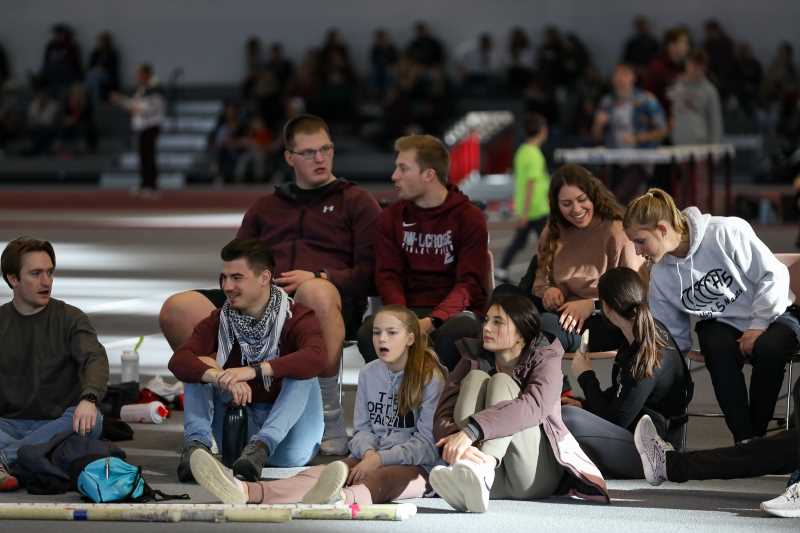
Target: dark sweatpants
608, 445
748, 417
776, 454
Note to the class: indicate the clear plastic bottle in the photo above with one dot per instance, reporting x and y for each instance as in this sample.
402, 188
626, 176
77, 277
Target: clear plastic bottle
130, 366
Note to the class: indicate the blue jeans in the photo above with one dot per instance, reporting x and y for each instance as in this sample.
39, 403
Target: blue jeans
291, 427
15, 433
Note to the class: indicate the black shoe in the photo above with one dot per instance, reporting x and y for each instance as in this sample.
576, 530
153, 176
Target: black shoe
184, 469
248, 466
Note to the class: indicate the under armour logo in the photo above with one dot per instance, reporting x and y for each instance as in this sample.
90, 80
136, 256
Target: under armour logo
327, 209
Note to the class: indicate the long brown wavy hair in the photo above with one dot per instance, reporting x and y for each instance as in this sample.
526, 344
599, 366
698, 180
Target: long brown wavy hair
605, 206
623, 290
422, 364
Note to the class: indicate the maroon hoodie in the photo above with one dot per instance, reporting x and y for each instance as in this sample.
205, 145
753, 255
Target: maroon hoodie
302, 352
333, 232
433, 257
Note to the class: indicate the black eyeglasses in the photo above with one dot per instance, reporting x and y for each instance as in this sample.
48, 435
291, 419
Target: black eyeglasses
325, 151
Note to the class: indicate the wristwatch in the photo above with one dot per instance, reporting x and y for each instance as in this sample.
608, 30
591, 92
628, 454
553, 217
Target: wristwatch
259, 371
318, 274
89, 397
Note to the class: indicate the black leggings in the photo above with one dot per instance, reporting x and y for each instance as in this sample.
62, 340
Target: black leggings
608, 445
776, 454
747, 417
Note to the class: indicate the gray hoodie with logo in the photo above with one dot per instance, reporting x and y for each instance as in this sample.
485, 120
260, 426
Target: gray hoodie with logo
399, 440
728, 275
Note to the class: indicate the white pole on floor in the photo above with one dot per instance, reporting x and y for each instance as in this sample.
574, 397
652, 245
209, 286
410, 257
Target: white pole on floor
178, 512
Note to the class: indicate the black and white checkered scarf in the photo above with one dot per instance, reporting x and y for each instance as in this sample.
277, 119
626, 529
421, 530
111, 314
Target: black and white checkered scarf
258, 338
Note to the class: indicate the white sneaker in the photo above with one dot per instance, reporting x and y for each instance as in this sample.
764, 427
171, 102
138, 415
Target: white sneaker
215, 478
787, 505
443, 481
465, 485
652, 450
328, 488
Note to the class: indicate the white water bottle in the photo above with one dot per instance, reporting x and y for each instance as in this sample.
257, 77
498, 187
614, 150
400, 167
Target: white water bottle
130, 366
147, 413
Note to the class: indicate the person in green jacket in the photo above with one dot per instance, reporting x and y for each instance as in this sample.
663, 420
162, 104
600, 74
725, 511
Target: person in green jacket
531, 184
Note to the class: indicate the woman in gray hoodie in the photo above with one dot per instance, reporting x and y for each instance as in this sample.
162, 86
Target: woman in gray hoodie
717, 271
392, 449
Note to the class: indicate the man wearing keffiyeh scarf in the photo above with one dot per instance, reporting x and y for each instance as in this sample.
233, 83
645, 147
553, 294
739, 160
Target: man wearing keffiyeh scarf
262, 351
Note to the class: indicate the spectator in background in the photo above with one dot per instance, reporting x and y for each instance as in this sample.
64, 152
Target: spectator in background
696, 112
103, 75
721, 57
5, 69
531, 186
641, 47
550, 57
520, 60
781, 74
576, 60
253, 59
424, 48
668, 65
255, 151
747, 78
281, 67
61, 65
478, 63
78, 122
629, 117
44, 112
146, 107
227, 141
334, 45
382, 58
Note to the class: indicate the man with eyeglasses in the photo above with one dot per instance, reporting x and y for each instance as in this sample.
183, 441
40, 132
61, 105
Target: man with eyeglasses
321, 232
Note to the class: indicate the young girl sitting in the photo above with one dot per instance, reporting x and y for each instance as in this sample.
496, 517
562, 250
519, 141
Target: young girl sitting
392, 449
499, 420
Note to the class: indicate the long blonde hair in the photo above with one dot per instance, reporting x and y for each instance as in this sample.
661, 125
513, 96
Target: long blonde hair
422, 364
652, 207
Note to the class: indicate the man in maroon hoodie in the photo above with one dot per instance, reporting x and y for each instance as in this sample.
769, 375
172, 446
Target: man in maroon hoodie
668, 65
431, 250
262, 351
321, 232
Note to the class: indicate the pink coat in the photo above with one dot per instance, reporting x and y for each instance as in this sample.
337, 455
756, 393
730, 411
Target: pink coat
539, 403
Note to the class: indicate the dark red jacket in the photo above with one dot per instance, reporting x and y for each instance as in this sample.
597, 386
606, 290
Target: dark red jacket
433, 257
335, 233
661, 74
302, 351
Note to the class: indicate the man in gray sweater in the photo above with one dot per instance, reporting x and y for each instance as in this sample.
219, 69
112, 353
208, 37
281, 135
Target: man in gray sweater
53, 370
696, 114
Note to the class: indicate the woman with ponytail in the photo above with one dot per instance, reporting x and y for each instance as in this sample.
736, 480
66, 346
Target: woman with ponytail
392, 450
716, 271
649, 376
584, 237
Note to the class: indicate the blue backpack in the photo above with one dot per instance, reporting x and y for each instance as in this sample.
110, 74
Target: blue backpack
111, 479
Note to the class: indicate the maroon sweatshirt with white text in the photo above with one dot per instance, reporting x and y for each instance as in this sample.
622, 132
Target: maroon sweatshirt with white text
433, 257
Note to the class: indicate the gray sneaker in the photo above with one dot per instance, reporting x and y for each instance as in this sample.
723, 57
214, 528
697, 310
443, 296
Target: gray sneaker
184, 468
215, 478
787, 505
328, 488
248, 466
652, 450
